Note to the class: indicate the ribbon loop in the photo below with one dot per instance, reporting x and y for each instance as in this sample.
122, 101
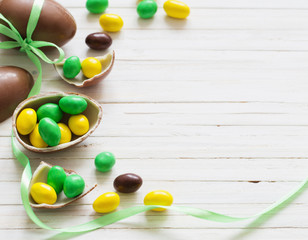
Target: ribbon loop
24, 46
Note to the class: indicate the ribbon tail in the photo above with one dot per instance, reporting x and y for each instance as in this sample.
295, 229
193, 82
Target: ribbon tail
38, 83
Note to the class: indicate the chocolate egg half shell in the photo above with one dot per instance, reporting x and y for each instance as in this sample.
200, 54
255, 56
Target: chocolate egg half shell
55, 24
80, 80
15, 85
40, 175
93, 113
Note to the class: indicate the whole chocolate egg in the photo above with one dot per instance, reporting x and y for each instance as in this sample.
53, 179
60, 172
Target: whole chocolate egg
15, 85
55, 24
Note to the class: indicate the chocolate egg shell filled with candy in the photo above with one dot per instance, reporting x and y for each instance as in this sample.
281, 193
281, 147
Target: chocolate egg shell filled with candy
15, 85
55, 24
40, 176
80, 80
93, 114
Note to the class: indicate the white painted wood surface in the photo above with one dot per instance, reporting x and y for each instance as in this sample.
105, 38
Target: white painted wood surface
212, 109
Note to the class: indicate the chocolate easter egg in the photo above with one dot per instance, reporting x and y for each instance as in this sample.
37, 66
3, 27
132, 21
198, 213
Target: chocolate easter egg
15, 85
55, 24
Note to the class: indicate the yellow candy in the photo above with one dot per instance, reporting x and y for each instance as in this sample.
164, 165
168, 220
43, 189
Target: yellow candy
36, 139
79, 124
158, 197
176, 9
43, 193
91, 67
26, 121
66, 134
111, 22
106, 202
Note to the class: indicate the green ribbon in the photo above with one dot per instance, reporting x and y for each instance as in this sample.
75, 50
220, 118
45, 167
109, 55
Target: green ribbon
31, 49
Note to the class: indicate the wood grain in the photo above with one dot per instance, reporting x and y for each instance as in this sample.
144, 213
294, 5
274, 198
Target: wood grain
212, 109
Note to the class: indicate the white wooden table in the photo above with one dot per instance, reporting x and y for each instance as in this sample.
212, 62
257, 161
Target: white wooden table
213, 109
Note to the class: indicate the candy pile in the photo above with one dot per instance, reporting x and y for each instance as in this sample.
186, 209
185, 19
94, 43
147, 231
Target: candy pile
125, 183
44, 127
57, 180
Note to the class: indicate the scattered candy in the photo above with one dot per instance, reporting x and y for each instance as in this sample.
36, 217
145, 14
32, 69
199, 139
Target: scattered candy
73, 104
50, 110
98, 41
79, 124
71, 67
176, 9
56, 177
73, 186
147, 8
49, 131
127, 183
158, 197
66, 134
111, 22
106, 202
43, 193
104, 161
91, 66
36, 139
96, 6
26, 121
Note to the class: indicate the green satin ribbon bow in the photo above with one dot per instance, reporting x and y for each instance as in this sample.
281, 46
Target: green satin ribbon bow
31, 49
27, 45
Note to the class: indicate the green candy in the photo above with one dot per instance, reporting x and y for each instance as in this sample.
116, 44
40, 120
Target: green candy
56, 177
147, 8
73, 186
73, 104
71, 67
97, 6
104, 161
49, 131
50, 110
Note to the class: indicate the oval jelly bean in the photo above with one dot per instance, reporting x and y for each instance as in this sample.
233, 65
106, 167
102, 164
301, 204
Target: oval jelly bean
79, 124
147, 8
73, 104
49, 131
35, 138
158, 197
104, 161
71, 67
50, 110
96, 6
43, 193
56, 177
66, 134
91, 66
176, 9
26, 121
111, 22
106, 202
73, 186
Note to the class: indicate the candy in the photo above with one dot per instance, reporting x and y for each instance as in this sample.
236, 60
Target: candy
158, 197
36, 139
50, 110
96, 6
127, 183
91, 67
106, 202
147, 8
66, 134
49, 131
55, 24
43, 193
73, 186
56, 177
176, 9
111, 22
79, 124
73, 104
16, 84
98, 41
26, 121
71, 67
104, 161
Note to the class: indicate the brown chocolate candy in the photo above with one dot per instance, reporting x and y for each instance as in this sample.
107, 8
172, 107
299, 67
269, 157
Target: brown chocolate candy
98, 41
127, 183
55, 24
15, 85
